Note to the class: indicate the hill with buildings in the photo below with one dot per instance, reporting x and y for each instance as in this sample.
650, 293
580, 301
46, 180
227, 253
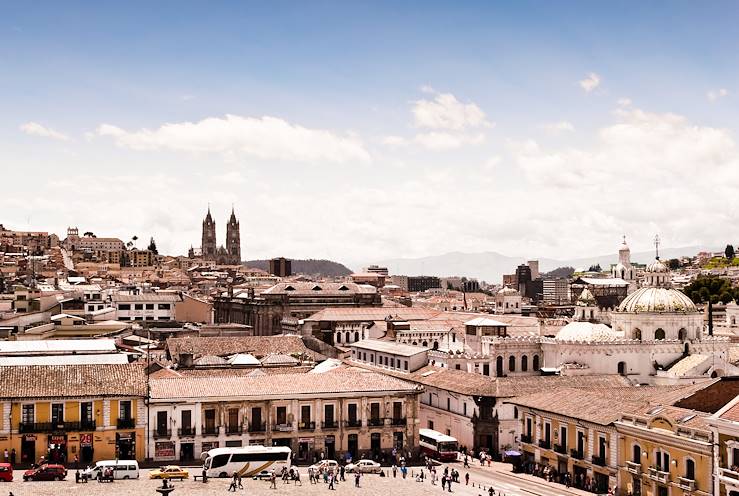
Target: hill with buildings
326, 268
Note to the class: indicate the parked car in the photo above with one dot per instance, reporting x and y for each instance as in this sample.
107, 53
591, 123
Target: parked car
169, 472
364, 467
46, 473
6, 472
326, 464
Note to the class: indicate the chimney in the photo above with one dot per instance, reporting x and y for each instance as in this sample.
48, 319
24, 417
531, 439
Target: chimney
710, 318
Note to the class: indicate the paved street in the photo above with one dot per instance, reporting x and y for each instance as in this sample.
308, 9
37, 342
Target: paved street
504, 483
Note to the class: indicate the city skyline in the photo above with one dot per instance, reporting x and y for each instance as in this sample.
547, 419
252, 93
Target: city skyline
367, 132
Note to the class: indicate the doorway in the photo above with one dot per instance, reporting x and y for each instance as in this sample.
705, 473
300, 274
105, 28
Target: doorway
353, 446
28, 449
187, 452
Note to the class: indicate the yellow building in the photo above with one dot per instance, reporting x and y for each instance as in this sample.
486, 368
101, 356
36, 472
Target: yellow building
725, 428
664, 451
60, 412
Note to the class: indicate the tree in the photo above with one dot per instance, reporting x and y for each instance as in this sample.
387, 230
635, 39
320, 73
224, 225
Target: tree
674, 263
153, 246
133, 240
711, 288
595, 268
729, 252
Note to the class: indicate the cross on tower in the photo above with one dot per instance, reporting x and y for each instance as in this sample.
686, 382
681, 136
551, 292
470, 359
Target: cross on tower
656, 246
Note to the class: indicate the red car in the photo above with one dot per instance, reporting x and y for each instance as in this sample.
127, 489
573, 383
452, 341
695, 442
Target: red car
46, 473
6, 472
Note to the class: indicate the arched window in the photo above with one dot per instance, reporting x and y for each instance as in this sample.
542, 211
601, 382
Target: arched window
636, 454
682, 334
415, 343
356, 337
524, 363
512, 363
425, 344
536, 363
499, 366
733, 320
338, 337
637, 334
689, 469
622, 368
659, 334
435, 346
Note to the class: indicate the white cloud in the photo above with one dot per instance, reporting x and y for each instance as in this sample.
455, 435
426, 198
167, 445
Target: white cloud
624, 102
269, 138
559, 127
448, 113
447, 141
394, 141
591, 82
714, 95
36, 129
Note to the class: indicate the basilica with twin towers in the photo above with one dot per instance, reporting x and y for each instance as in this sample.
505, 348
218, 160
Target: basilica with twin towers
230, 254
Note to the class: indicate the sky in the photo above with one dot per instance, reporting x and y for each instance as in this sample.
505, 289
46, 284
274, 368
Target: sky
362, 131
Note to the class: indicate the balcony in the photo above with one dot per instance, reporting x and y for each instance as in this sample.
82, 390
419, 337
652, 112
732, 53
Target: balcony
633, 467
686, 484
526, 438
233, 429
282, 427
186, 431
257, 427
728, 475
126, 423
577, 454
658, 475
543, 443
56, 426
353, 423
161, 433
398, 421
306, 426
210, 430
599, 460
376, 422
329, 424
561, 449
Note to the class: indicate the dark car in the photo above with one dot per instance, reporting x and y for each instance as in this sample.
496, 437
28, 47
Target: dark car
45, 473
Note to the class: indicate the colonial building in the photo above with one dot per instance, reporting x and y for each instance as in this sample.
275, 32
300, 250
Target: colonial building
61, 411
327, 414
724, 425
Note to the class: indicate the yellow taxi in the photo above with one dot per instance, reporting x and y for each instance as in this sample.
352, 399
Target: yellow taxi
169, 472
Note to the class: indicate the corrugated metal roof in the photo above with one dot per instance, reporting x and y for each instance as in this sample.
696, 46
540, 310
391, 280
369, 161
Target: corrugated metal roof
57, 346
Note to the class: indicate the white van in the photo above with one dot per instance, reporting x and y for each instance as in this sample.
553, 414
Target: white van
122, 469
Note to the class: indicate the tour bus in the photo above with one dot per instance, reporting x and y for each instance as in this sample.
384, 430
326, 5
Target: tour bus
437, 445
122, 469
246, 461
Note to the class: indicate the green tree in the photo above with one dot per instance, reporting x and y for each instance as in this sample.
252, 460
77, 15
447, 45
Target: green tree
595, 268
153, 246
710, 288
674, 264
729, 252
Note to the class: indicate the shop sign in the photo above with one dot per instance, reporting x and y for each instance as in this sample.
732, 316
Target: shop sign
308, 440
164, 449
29, 437
57, 439
85, 439
207, 446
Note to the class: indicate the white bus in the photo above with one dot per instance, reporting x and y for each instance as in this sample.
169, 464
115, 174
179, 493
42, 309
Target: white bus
437, 445
246, 461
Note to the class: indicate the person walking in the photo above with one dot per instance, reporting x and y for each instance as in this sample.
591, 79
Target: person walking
467, 479
395, 470
443, 481
12, 457
331, 481
466, 462
273, 480
356, 479
232, 486
341, 472
491, 491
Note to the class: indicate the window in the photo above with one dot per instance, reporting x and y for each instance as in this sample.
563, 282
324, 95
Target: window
528, 426
86, 413
499, 366
125, 410
138, 306
485, 369
449, 404
431, 424
124, 306
57, 413
27, 415
464, 408
535, 363
689, 469
659, 334
662, 461
602, 447
150, 306
547, 432
164, 306
563, 437
405, 364
512, 364
328, 414
636, 454
524, 363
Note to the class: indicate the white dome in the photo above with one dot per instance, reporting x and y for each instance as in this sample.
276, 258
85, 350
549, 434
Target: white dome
657, 300
657, 266
505, 290
588, 332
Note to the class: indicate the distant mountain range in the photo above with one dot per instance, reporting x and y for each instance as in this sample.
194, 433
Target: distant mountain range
325, 268
490, 266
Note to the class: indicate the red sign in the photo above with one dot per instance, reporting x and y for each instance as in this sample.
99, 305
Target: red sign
85, 439
58, 439
164, 449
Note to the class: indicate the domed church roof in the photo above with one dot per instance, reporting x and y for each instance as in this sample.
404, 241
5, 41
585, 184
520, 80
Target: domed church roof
657, 300
657, 266
506, 290
586, 299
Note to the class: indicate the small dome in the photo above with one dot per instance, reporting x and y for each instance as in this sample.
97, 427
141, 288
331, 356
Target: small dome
586, 299
657, 266
505, 290
588, 332
657, 300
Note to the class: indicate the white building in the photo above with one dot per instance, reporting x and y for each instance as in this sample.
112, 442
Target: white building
389, 355
147, 306
508, 300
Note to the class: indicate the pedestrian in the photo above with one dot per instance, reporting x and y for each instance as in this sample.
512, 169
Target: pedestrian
12, 457
443, 481
297, 477
341, 471
6, 455
238, 479
232, 486
331, 481
395, 470
491, 491
466, 462
273, 480
356, 479
467, 479
205, 475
